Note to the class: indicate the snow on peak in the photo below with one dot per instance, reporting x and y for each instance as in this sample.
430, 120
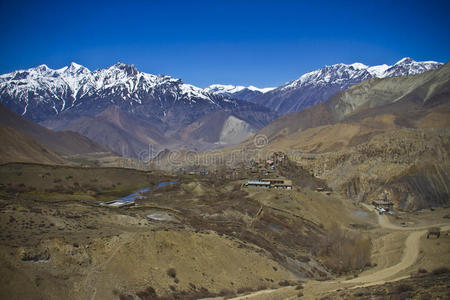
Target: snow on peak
262, 90
359, 66
74, 68
378, 71
122, 65
74, 65
405, 60
340, 73
67, 87
237, 91
408, 66
42, 67
229, 89
225, 88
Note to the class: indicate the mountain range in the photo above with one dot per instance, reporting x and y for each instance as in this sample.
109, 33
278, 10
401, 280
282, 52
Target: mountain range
128, 110
319, 85
237, 91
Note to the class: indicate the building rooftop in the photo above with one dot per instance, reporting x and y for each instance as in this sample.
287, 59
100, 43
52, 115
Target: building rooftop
258, 182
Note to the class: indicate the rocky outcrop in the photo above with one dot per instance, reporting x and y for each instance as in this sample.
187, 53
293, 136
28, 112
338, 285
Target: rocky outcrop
411, 166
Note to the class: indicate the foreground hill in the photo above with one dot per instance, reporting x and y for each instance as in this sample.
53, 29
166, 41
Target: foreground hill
201, 236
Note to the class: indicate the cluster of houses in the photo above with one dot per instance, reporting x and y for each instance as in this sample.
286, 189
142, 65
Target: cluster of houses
383, 204
276, 183
266, 167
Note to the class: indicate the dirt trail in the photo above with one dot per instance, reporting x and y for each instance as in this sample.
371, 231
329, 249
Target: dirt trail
91, 280
409, 257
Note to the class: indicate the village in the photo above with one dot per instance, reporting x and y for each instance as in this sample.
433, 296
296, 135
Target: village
262, 173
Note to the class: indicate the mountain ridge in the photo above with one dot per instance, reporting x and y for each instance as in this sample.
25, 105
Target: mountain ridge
320, 85
158, 106
237, 91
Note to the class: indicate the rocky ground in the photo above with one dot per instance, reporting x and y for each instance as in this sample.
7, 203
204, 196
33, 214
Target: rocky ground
410, 165
434, 285
210, 237
199, 237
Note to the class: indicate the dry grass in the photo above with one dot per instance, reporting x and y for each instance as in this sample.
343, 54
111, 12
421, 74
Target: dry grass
344, 251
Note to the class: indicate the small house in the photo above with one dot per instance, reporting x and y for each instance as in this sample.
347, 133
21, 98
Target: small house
287, 184
257, 183
383, 204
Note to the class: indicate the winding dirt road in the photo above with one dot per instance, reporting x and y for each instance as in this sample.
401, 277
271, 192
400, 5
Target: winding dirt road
409, 257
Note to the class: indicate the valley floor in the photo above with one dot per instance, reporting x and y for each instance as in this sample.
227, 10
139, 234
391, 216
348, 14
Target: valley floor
217, 239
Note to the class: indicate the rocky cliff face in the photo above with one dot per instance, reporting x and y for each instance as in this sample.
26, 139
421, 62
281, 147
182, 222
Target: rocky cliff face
410, 165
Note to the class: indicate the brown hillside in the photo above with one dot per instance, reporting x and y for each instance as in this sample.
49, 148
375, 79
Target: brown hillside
63, 143
18, 147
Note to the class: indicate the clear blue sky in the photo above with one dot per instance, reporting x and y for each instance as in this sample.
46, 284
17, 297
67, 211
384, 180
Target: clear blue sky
264, 43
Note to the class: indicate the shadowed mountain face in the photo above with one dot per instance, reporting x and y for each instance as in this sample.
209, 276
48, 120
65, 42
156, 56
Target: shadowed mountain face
64, 143
125, 109
318, 86
18, 147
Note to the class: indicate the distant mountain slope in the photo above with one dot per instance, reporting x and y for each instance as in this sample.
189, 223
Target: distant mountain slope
63, 143
124, 133
237, 91
318, 86
18, 147
220, 128
403, 95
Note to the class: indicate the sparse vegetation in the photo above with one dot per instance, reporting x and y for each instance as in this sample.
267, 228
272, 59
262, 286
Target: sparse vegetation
440, 270
422, 271
344, 251
172, 273
202, 208
148, 294
401, 288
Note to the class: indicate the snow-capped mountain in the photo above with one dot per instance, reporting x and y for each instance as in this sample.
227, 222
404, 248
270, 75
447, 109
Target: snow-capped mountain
319, 85
41, 93
408, 66
123, 108
237, 91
